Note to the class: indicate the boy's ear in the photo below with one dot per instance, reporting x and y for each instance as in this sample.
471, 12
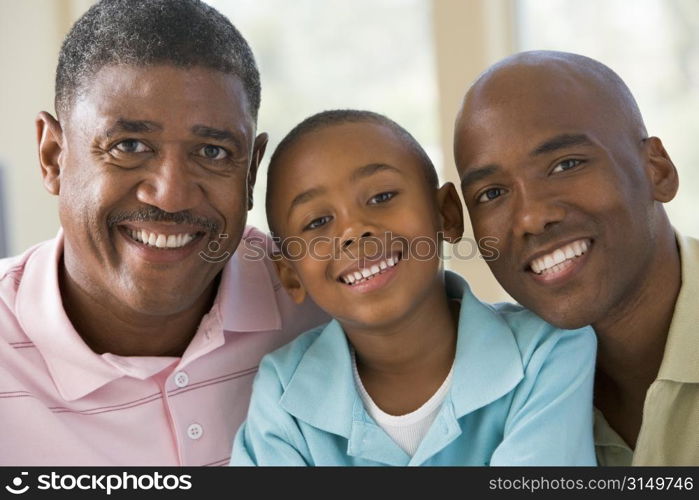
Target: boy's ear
663, 174
258, 152
451, 213
49, 135
290, 280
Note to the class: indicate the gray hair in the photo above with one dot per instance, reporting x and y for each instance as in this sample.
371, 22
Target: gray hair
183, 33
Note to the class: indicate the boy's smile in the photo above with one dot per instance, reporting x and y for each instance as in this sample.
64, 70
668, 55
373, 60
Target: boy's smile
354, 200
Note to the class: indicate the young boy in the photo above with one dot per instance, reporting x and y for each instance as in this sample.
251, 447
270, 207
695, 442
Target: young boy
413, 370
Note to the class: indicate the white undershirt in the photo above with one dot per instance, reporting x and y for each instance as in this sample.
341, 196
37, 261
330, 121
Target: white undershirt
409, 429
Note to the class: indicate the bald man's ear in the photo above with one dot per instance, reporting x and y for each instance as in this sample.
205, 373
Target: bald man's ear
290, 280
49, 135
663, 174
451, 213
258, 151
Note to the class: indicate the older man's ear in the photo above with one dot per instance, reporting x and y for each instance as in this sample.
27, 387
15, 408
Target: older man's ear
49, 135
258, 153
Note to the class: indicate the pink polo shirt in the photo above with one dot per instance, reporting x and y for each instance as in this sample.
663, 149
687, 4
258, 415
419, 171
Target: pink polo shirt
62, 404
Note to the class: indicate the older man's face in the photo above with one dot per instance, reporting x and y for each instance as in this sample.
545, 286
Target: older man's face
553, 176
155, 170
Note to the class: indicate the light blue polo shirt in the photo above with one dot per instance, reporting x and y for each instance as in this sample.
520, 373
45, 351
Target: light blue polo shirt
521, 394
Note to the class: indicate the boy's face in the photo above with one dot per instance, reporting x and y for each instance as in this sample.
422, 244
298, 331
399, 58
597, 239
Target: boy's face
352, 200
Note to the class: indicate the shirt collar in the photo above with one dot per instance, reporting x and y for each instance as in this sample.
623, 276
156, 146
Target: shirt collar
682, 347
487, 366
245, 287
248, 298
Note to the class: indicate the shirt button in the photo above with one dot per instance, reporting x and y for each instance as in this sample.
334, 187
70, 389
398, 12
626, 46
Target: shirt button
181, 379
195, 431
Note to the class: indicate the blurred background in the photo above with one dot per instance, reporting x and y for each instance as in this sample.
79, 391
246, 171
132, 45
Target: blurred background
409, 59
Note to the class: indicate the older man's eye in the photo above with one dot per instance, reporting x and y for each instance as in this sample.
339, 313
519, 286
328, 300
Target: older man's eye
211, 152
566, 165
131, 146
490, 194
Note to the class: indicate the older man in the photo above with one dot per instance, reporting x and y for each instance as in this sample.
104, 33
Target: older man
125, 340
555, 162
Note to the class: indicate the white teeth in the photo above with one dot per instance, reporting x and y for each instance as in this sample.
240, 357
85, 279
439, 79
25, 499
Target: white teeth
535, 267
548, 262
559, 256
369, 272
553, 262
161, 240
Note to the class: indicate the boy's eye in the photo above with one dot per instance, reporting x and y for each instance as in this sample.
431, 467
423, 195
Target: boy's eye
490, 194
566, 165
316, 223
211, 152
131, 146
381, 198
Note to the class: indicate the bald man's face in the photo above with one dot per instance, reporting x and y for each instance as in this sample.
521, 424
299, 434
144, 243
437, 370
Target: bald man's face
554, 173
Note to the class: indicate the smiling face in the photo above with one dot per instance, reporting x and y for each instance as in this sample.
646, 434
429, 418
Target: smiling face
360, 223
558, 172
153, 166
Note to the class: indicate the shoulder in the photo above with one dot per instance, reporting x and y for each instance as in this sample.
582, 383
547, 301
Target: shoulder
537, 340
256, 245
533, 337
12, 271
280, 365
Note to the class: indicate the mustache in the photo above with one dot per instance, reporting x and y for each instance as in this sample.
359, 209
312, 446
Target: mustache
155, 214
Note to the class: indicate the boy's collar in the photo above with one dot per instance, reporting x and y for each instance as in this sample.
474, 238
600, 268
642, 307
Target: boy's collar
488, 365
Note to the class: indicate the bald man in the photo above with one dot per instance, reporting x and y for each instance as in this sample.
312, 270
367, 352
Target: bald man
555, 162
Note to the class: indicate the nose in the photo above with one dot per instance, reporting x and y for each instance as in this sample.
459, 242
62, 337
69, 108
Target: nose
348, 239
356, 225
535, 211
171, 185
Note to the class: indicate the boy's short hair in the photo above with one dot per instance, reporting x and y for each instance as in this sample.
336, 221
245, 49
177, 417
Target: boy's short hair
183, 33
339, 117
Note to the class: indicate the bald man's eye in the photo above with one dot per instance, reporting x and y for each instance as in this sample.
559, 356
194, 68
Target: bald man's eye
490, 194
566, 165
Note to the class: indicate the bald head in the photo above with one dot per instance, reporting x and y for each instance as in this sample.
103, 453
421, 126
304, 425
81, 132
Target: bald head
559, 82
557, 169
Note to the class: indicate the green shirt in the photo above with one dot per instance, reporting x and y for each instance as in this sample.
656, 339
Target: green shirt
670, 430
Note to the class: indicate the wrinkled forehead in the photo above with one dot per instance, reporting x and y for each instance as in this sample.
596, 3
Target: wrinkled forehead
164, 94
